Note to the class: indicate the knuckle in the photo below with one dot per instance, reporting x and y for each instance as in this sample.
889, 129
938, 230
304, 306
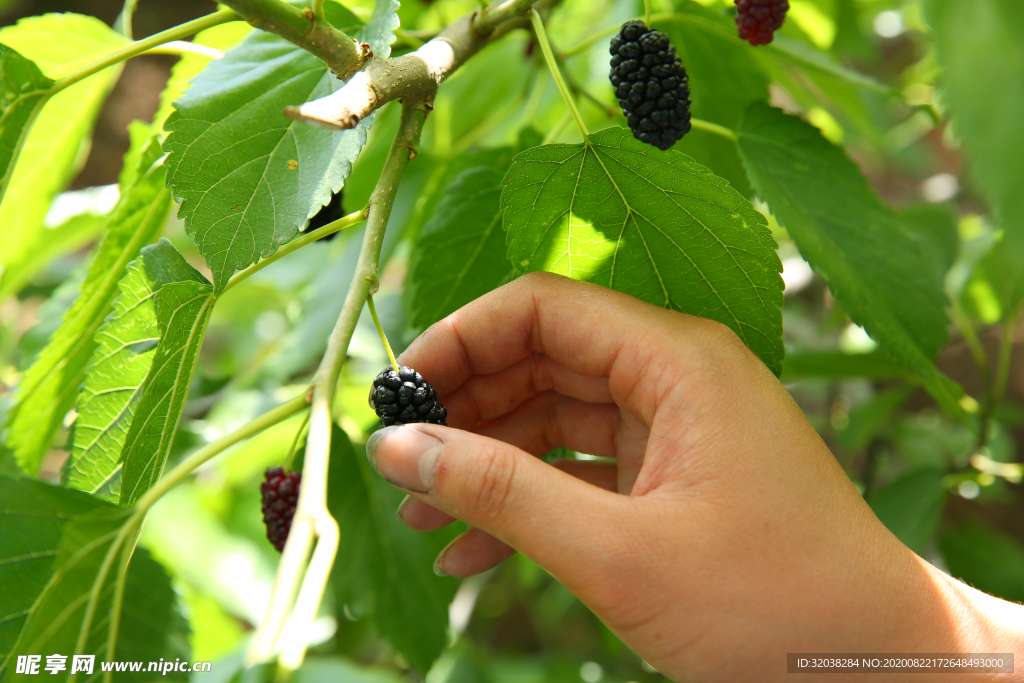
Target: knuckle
496, 472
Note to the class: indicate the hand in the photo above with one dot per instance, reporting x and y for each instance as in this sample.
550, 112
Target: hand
724, 535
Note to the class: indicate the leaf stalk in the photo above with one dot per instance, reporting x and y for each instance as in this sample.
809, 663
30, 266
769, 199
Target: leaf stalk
545, 46
139, 46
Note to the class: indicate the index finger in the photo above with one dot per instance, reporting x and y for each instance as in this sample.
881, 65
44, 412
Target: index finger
592, 330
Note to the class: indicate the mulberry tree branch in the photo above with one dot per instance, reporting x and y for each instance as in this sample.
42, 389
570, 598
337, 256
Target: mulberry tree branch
344, 55
415, 75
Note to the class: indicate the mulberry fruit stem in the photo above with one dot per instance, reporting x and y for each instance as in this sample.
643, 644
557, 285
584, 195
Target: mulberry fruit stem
348, 221
647, 12
380, 331
295, 443
721, 131
549, 57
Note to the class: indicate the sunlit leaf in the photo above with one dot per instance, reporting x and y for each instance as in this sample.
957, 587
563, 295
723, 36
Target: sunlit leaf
48, 389
182, 308
248, 178
652, 224
23, 92
115, 379
54, 149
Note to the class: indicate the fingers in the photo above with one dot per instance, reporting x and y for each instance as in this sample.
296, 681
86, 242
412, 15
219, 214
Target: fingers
421, 516
476, 551
564, 524
483, 397
550, 420
591, 330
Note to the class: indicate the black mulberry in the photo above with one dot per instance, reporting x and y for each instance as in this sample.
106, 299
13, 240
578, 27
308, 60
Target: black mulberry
651, 84
404, 397
280, 491
758, 20
329, 213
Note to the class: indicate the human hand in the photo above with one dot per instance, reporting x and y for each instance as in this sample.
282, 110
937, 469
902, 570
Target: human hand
724, 535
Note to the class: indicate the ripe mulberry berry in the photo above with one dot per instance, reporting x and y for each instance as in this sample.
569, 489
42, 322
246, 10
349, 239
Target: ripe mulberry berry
404, 397
280, 491
758, 20
651, 84
329, 213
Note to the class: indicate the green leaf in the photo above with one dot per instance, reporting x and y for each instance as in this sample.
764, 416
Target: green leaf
23, 92
32, 515
725, 77
384, 569
56, 146
936, 224
911, 506
115, 378
222, 37
868, 420
243, 199
876, 267
54, 543
652, 224
460, 253
874, 365
987, 559
182, 306
987, 112
379, 31
48, 389
810, 58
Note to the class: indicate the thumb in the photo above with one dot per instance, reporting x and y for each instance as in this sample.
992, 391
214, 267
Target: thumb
566, 525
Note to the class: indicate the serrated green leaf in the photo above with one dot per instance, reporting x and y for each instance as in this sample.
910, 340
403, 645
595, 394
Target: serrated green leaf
249, 178
222, 37
115, 378
874, 265
987, 112
23, 92
652, 224
989, 560
911, 506
182, 307
384, 570
48, 389
55, 147
459, 254
54, 542
379, 31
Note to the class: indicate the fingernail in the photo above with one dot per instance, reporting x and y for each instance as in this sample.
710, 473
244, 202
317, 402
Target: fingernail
437, 563
404, 456
401, 506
